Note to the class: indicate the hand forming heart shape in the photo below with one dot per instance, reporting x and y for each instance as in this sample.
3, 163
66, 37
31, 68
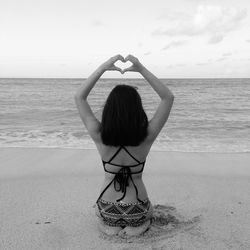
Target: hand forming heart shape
134, 63
123, 65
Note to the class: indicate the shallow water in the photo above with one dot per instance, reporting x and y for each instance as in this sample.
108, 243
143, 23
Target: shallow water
208, 115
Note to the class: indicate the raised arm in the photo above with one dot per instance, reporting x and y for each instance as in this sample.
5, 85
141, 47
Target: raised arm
90, 121
167, 98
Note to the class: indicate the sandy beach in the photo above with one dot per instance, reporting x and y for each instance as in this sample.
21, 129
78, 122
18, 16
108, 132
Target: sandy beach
47, 197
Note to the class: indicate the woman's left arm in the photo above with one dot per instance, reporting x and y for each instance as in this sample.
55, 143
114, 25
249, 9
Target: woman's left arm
90, 121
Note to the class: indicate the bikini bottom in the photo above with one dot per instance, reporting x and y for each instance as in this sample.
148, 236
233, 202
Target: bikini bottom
117, 214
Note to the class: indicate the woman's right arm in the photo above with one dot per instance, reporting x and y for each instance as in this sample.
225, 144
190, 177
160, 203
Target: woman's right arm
167, 98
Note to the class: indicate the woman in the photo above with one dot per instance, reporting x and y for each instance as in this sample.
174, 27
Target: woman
123, 139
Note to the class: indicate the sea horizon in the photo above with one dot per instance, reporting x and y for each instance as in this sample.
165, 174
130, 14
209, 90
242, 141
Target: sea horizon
161, 78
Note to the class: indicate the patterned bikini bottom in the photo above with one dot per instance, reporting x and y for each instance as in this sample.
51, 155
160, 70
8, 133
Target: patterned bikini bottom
116, 214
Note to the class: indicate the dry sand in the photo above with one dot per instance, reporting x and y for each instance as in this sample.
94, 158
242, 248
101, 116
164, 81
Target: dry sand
46, 199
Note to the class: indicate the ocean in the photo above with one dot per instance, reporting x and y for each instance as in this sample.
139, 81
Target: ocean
208, 115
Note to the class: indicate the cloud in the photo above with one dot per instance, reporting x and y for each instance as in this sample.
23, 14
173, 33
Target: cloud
96, 23
227, 54
203, 64
214, 21
174, 44
221, 59
217, 38
140, 44
180, 64
224, 57
170, 66
147, 53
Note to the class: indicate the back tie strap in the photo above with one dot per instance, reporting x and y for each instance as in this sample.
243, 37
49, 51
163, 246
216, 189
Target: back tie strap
121, 178
121, 182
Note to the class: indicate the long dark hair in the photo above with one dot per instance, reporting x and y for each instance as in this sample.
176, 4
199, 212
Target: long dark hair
124, 121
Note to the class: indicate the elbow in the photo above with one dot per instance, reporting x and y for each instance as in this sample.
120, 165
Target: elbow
169, 98
172, 99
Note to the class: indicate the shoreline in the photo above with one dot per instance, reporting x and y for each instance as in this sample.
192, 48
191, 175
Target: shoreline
151, 150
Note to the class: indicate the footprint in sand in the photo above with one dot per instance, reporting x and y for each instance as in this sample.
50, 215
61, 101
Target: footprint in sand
46, 222
167, 222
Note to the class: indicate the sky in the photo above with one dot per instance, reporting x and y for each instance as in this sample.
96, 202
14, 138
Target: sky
173, 39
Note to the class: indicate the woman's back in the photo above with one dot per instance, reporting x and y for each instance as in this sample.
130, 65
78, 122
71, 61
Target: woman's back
128, 161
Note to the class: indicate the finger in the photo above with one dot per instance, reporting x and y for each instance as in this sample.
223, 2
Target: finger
123, 59
130, 58
127, 58
116, 68
118, 57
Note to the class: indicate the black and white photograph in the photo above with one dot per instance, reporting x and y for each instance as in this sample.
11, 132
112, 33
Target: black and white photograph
124, 125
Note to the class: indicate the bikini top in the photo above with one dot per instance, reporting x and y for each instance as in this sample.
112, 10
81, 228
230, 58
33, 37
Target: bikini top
121, 178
